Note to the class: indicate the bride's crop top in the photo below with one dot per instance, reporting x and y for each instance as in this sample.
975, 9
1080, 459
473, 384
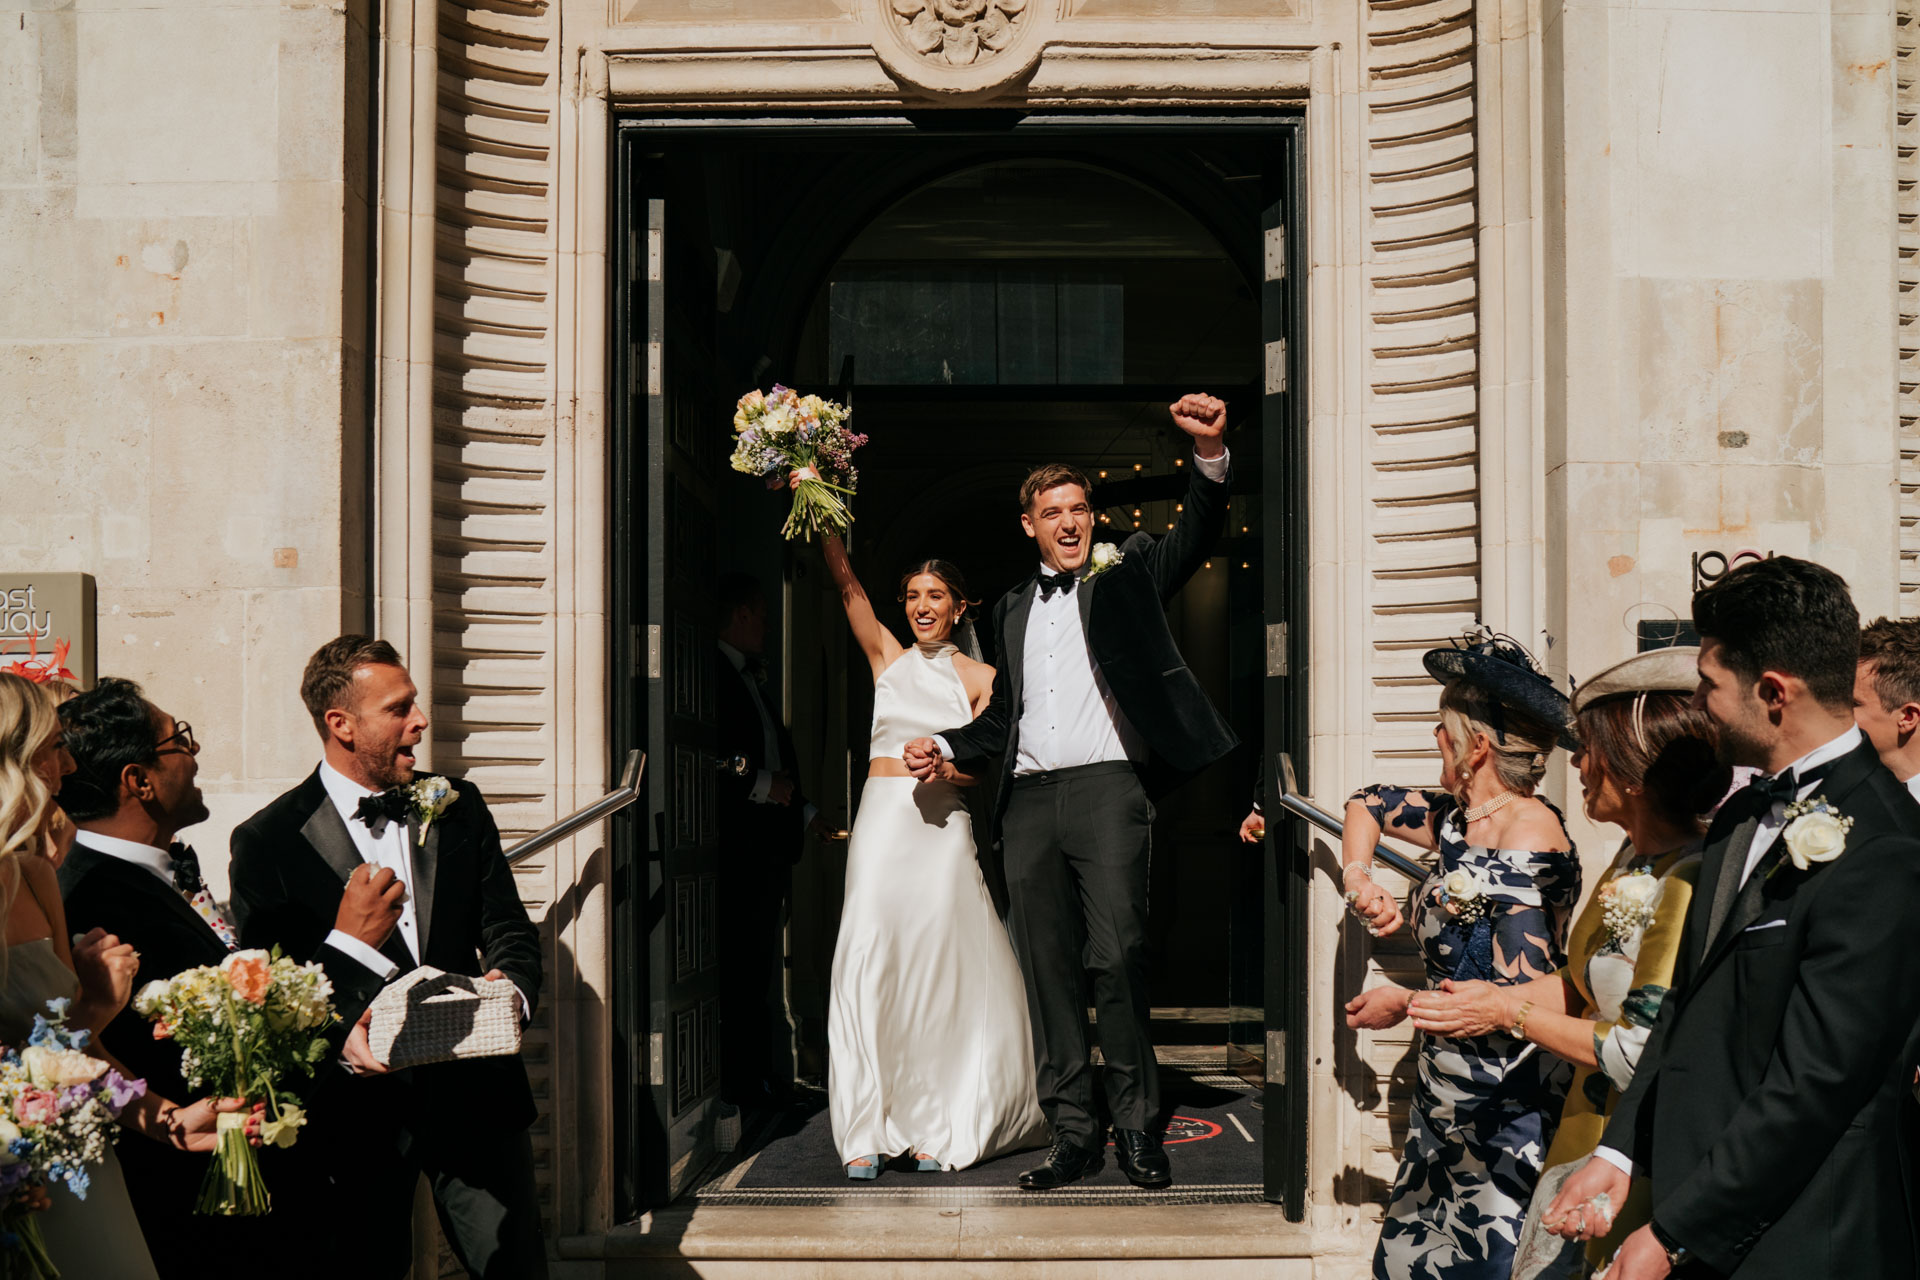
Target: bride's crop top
920, 695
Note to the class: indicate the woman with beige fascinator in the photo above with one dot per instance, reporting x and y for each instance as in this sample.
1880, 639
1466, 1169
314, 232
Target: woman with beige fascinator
1647, 763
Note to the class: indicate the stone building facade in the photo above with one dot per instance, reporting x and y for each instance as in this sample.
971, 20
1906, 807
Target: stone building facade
313, 324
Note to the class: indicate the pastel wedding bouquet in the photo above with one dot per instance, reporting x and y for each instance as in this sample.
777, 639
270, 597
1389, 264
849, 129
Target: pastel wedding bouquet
784, 434
58, 1105
246, 1027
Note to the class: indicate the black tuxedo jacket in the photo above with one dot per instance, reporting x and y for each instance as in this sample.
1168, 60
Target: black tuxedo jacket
290, 865
771, 832
162, 1181
1123, 612
1774, 1103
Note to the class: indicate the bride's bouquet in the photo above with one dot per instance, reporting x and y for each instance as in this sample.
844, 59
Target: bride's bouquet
245, 1027
58, 1105
784, 433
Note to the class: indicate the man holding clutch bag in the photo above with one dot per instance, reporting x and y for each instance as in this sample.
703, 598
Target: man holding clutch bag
364, 815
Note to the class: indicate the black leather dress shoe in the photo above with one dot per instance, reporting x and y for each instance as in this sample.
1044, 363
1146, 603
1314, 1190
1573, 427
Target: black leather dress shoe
1065, 1163
1142, 1158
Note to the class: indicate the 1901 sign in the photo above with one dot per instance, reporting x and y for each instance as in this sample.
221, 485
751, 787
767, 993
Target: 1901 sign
41, 610
1711, 566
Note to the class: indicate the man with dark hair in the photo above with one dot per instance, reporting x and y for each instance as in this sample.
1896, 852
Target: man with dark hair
1094, 713
763, 818
357, 826
134, 788
1886, 695
1773, 1105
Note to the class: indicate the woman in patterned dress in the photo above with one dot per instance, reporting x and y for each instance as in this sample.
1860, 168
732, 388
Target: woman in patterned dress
1647, 763
1495, 909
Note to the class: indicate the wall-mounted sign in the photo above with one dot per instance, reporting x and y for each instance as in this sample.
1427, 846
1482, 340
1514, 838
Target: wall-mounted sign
1711, 566
41, 612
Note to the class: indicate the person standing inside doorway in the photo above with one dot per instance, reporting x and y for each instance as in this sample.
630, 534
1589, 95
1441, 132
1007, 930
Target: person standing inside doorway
764, 818
1886, 695
1094, 712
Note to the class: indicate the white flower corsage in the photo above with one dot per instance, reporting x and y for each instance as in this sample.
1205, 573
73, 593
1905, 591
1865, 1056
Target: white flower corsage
429, 797
1816, 832
1627, 903
1463, 895
1105, 556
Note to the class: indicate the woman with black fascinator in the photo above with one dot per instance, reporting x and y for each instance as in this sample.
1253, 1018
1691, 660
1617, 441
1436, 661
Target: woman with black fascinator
1494, 909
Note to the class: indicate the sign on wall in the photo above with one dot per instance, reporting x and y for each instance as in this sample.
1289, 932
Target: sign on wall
42, 614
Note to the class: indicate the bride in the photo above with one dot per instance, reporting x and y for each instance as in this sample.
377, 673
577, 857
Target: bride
927, 1028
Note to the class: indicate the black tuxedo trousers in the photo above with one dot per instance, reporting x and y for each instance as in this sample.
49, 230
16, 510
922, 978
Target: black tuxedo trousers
1773, 1106
463, 1124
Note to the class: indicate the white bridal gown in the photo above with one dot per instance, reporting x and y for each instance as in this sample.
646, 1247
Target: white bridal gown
931, 1050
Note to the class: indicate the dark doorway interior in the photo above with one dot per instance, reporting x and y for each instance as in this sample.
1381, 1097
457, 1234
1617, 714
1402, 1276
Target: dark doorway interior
987, 299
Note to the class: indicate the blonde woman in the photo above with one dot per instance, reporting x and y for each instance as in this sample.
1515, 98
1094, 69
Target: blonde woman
98, 1236
1495, 908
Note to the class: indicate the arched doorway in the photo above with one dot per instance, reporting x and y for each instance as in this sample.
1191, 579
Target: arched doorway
988, 300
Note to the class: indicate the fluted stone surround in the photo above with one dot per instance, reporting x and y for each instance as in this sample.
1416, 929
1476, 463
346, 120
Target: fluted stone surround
1587, 294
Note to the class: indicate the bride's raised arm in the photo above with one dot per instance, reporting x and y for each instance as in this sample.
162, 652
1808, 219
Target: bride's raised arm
878, 643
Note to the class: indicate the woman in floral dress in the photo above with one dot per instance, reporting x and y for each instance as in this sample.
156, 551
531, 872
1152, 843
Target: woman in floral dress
1647, 763
1494, 909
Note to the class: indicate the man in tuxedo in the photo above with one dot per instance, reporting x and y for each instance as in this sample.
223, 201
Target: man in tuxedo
1095, 714
1886, 695
763, 823
133, 789
1773, 1105
353, 823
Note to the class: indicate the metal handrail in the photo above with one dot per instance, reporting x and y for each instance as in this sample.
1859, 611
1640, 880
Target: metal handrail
1295, 803
624, 793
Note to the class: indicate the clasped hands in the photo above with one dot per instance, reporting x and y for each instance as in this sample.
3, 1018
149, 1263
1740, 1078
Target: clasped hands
1585, 1209
924, 761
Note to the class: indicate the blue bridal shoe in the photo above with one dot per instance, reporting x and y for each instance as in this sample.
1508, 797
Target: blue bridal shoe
865, 1172
926, 1163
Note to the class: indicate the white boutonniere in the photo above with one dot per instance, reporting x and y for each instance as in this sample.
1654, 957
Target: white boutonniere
1105, 556
428, 798
1463, 895
1627, 903
1816, 832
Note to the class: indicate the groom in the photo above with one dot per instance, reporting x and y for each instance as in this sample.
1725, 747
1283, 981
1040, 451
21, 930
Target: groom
1093, 710
1773, 1105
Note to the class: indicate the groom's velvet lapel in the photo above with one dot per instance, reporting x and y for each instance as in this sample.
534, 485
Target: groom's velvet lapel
1083, 592
426, 865
1015, 630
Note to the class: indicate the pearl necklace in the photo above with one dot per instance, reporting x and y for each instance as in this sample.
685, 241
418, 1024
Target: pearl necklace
1494, 805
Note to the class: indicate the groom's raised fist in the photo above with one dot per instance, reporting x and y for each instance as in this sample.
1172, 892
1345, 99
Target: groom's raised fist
1203, 417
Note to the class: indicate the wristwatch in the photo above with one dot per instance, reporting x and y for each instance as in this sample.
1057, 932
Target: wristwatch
1678, 1255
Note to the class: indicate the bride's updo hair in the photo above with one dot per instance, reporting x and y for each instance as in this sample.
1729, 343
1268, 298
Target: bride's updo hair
949, 574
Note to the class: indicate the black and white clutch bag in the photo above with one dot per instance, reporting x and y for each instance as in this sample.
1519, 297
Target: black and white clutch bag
428, 1015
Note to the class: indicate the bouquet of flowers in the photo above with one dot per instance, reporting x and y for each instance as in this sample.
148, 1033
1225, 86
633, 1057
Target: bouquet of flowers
784, 433
57, 1108
245, 1028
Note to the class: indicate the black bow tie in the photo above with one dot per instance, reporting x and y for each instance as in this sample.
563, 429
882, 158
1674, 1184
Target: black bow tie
1052, 582
1783, 787
186, 868
378, 810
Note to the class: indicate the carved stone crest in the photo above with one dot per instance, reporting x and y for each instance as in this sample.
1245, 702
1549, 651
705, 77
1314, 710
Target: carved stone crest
959, 48
959, 32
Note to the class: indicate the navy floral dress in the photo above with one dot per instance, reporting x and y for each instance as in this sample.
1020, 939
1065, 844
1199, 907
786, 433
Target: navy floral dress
1484, 1109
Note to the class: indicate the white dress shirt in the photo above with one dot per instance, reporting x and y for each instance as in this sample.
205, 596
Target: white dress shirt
390, 851
1069, 716
1771, 824
145, 856
1913, 786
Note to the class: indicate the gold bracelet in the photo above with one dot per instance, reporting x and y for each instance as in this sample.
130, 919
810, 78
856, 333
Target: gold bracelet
1519, 1028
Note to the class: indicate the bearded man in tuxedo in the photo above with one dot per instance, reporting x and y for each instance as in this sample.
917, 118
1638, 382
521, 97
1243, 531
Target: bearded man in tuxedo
1773, 1108
352, 824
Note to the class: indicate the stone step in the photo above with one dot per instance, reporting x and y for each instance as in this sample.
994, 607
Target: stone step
1099, 1242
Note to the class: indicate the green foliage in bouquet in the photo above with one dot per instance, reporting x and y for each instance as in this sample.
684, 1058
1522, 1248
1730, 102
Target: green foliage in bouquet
247, 1028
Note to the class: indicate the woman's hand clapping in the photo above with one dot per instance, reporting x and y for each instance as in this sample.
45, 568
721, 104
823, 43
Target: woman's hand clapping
1460, 1010
106, 967
1378, 1008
